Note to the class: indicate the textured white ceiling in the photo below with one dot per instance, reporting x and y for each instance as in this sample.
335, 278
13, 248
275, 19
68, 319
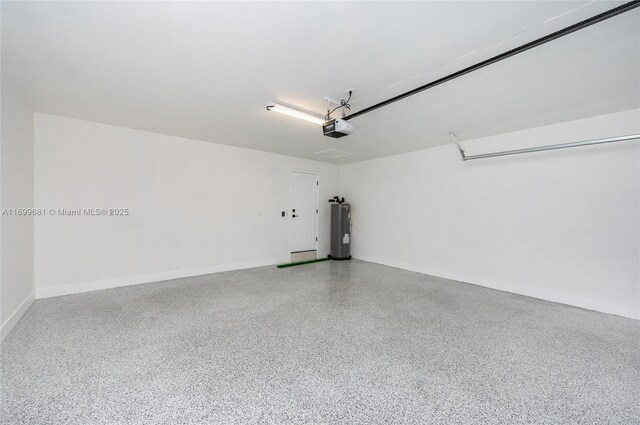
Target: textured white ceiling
207, 70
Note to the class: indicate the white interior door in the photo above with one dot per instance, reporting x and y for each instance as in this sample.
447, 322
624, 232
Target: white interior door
304, 211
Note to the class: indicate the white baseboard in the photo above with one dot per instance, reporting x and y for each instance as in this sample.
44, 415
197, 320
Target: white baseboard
16, 315
544, 294
573, 300
96, 285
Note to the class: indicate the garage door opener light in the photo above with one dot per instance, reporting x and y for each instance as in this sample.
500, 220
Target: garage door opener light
296, 113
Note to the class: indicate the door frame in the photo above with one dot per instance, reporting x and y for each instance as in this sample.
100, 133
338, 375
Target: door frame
316, 196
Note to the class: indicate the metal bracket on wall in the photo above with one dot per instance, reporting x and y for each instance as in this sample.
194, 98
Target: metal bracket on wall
544, 148
455, 140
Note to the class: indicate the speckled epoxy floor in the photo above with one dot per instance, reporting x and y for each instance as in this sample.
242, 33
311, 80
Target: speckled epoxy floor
333, 342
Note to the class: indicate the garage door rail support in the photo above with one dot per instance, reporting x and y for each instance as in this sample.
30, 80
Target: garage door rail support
615, 139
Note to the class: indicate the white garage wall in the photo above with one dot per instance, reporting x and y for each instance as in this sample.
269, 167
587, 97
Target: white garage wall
16, 250
195, 207
561, 225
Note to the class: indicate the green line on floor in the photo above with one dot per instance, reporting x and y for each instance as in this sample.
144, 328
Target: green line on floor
299, 263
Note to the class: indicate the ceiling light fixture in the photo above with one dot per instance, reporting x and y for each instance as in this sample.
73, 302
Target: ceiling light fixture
296, 113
